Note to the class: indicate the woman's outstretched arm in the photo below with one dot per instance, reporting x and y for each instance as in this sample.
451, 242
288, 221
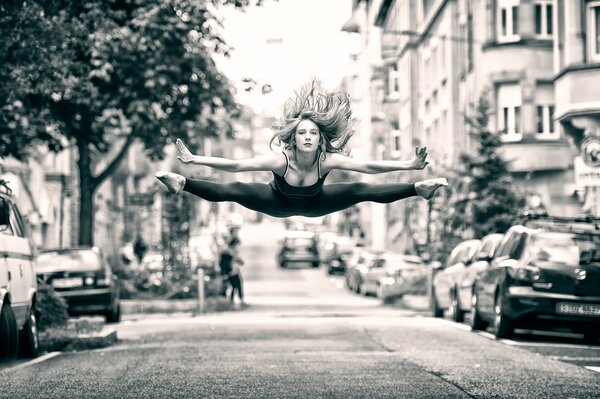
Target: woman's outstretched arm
271, 162
339, 161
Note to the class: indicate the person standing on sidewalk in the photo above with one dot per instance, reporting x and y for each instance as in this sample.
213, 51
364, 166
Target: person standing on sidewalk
229, 263
235, 275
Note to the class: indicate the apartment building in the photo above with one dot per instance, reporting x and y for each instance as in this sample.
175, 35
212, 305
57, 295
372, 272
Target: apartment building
576, 33
440, 55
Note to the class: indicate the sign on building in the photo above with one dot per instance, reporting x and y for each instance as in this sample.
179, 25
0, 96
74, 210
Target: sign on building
586, 175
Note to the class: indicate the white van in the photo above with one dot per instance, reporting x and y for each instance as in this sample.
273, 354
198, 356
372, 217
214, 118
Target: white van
18, 284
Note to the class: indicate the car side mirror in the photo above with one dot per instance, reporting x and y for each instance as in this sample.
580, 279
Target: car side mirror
4, 212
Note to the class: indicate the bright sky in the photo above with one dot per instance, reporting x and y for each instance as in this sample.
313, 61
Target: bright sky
285, 43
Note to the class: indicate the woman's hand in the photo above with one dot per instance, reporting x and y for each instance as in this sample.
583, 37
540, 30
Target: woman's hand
185, 155
419, 161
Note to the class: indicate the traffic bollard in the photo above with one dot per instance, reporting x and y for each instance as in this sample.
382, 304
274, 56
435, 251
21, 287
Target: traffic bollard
201, 294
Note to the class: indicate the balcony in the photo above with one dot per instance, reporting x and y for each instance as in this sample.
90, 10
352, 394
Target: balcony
576, 89
531, 155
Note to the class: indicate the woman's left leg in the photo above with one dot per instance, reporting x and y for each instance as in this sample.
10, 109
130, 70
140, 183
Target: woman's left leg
337, 196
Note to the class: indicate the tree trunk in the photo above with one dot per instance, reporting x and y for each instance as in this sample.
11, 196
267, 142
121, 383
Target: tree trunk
88, 183
87, 187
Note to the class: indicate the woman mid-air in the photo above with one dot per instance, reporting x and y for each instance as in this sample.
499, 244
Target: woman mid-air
313, 136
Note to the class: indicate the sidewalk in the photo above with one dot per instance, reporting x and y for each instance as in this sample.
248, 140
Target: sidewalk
168, 306
132, 307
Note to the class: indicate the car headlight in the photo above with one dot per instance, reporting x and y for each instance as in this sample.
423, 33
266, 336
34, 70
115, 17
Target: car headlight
388, 280
526, 273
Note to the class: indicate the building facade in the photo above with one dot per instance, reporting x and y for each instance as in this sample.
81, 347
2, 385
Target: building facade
576, 34
527, 56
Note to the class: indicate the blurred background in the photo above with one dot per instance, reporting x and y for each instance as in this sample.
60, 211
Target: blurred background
93, 94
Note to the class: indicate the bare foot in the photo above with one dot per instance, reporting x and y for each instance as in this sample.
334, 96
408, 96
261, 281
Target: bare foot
173, 181
427, 188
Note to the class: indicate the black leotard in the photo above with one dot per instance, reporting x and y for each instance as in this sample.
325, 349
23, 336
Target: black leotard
281, 199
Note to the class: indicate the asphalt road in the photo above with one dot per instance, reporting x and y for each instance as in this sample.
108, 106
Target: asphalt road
305, 336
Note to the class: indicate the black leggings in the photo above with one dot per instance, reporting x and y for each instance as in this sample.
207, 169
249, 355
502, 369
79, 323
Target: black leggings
236, 285
333, 197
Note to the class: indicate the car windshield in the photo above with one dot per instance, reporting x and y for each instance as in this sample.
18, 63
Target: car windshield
68, 261
299, 242
589, 247
558, 248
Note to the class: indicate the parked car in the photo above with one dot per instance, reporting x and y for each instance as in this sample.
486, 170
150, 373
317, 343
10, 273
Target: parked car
546, 276
384, 265
325, 245
399, 278
84, 278
465, 281
339, 249
358, 265
18, 284
298, 247
443, 292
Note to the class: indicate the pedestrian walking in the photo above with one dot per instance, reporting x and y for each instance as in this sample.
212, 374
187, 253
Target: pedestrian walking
235, 275
312, 138
229, 264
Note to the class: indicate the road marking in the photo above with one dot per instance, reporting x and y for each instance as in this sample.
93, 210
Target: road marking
549, 344
596, 369
577, 359
37, 360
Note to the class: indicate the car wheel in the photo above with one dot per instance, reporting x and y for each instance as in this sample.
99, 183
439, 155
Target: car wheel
503, 325
283, 265
477, 323
114, 314
591, 335
329, 270
29, 341
315, 264
362, 289
435, 309
9, 335
454, 310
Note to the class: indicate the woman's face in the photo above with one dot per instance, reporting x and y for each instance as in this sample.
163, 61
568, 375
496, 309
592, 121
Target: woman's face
307, 136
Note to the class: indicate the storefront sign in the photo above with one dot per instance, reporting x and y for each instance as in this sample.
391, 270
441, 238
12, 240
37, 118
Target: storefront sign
585, 175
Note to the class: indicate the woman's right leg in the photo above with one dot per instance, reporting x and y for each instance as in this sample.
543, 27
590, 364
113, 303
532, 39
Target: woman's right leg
258, 197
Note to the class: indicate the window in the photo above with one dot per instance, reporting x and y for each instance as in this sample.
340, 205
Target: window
394, 79
16, 222
508, 20
544, 112
545, 119
593, 12
509, 111
395, 138
543, 18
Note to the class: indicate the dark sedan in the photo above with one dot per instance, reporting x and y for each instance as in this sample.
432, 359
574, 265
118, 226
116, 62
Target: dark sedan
83, 277
299, 247
543, 278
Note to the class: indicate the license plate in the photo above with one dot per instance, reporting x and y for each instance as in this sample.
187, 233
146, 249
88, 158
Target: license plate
578, 309
67, 282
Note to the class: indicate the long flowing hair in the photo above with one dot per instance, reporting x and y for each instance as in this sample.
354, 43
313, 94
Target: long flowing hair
330, 111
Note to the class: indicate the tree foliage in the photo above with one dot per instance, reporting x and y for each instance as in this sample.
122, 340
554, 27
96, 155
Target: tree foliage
484, 198
103, 73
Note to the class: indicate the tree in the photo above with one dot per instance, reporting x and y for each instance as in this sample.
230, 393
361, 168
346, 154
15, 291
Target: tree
483, 199
494, 199
98, 75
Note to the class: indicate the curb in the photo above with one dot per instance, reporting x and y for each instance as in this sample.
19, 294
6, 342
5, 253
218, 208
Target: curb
104, 338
